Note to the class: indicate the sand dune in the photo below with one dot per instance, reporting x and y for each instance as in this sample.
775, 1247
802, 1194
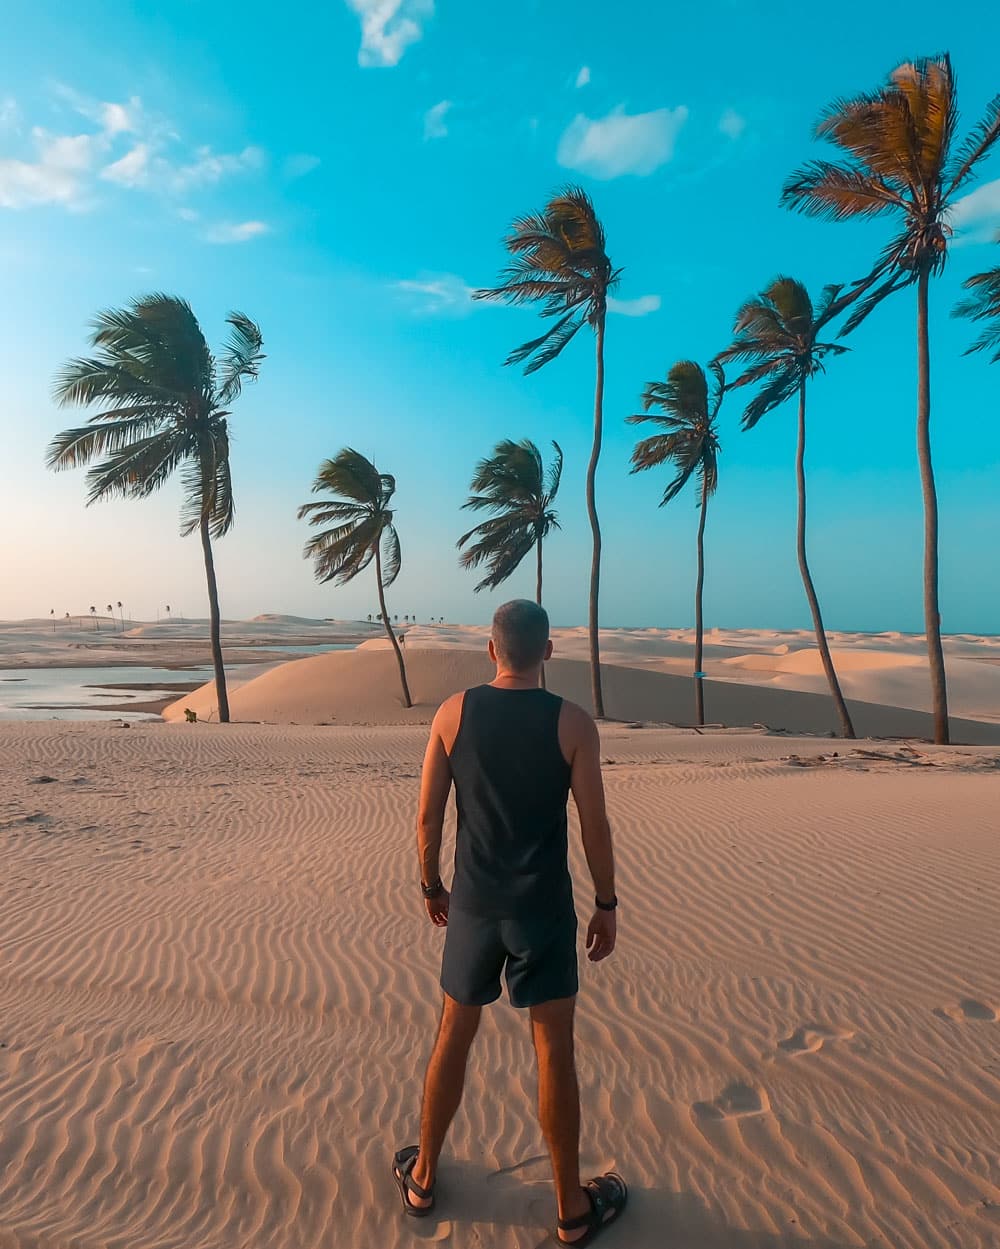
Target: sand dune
361, 687
218, 990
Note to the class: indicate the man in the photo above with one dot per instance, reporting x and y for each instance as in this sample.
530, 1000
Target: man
513, 752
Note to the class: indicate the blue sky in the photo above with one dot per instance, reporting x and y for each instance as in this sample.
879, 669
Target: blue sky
345, 174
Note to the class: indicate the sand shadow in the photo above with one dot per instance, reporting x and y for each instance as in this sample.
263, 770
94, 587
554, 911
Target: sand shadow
520, 1196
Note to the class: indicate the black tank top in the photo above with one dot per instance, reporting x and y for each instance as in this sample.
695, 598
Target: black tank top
511, 786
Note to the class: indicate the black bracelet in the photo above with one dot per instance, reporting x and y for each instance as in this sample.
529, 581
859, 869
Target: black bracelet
607, 906
433, 890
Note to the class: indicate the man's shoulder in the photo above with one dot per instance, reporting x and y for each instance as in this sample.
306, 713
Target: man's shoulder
576, 727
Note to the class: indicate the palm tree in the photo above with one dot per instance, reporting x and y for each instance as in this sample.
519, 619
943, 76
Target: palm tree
122, 614
777, 336
514, 485
560, 261
984, 305
97, 625
362, 529
690, 442
901, 158
164, 401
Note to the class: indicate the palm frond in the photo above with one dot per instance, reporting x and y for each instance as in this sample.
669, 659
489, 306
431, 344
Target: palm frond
838, 192
977, 144
241, 357
554, 475
540, 351
392, 559
73, 448
770, 396
983, 305
137, 469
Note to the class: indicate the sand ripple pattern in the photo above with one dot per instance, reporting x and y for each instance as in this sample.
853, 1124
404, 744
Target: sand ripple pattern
217, 993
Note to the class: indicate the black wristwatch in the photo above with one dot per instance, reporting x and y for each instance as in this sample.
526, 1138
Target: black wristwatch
433, 890
607, 906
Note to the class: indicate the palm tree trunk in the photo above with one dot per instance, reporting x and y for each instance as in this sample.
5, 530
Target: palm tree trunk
215, 630
595, 528
538, 594
932, 611
699, 624
407, 700
846, 727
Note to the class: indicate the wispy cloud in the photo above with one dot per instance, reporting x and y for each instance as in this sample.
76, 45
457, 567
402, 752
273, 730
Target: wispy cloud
236, 232
732, 124
434, 124
127, 148
979, 207
437, 294
621, 143
57, 175
300, 164
388, 27
10, 115
642, 306
583, 77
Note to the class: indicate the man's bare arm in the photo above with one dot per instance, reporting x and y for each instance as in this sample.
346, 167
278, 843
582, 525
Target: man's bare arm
435, 786
588, 794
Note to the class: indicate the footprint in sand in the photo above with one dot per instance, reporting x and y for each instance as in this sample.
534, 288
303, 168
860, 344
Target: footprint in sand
811, 1038
969, 1008
736, 1101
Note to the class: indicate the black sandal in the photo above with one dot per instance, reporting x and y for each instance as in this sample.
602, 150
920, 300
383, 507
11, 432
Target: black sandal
608, 1195
402, 1173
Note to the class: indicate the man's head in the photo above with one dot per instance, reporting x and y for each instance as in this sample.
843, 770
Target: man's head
520, 641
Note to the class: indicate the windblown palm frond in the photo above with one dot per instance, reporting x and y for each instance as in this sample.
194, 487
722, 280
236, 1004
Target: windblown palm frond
162, 407
688, 407
776, 334
356, 527
515, 486
560, 261
897, 145
983, 305
364, 520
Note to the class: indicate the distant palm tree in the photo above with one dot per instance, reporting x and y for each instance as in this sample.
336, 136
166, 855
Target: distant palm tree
689, 441
122, 614
901, 158
514, 485
560, 261
777, 336
52, 615
984, 305
97, 625
164, 401
362, 529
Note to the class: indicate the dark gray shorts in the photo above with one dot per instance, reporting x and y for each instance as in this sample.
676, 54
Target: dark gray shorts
538, 955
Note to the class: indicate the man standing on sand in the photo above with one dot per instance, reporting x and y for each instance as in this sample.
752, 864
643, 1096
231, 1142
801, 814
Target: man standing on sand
513, 752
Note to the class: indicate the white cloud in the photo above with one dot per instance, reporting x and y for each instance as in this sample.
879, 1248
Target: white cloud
732, 124
187, 214
980, 205
388, 27
300, 164
210, 167
131, 170
58, 176
583, 77
639, 307
434, 124
618, 144
236, 232
437, 294
127, 147
9, 113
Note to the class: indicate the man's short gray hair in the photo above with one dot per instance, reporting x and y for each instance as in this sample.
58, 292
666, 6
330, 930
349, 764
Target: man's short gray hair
520, 631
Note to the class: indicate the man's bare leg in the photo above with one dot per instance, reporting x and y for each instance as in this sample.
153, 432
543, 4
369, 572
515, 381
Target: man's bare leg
443, 1087
559, 1104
